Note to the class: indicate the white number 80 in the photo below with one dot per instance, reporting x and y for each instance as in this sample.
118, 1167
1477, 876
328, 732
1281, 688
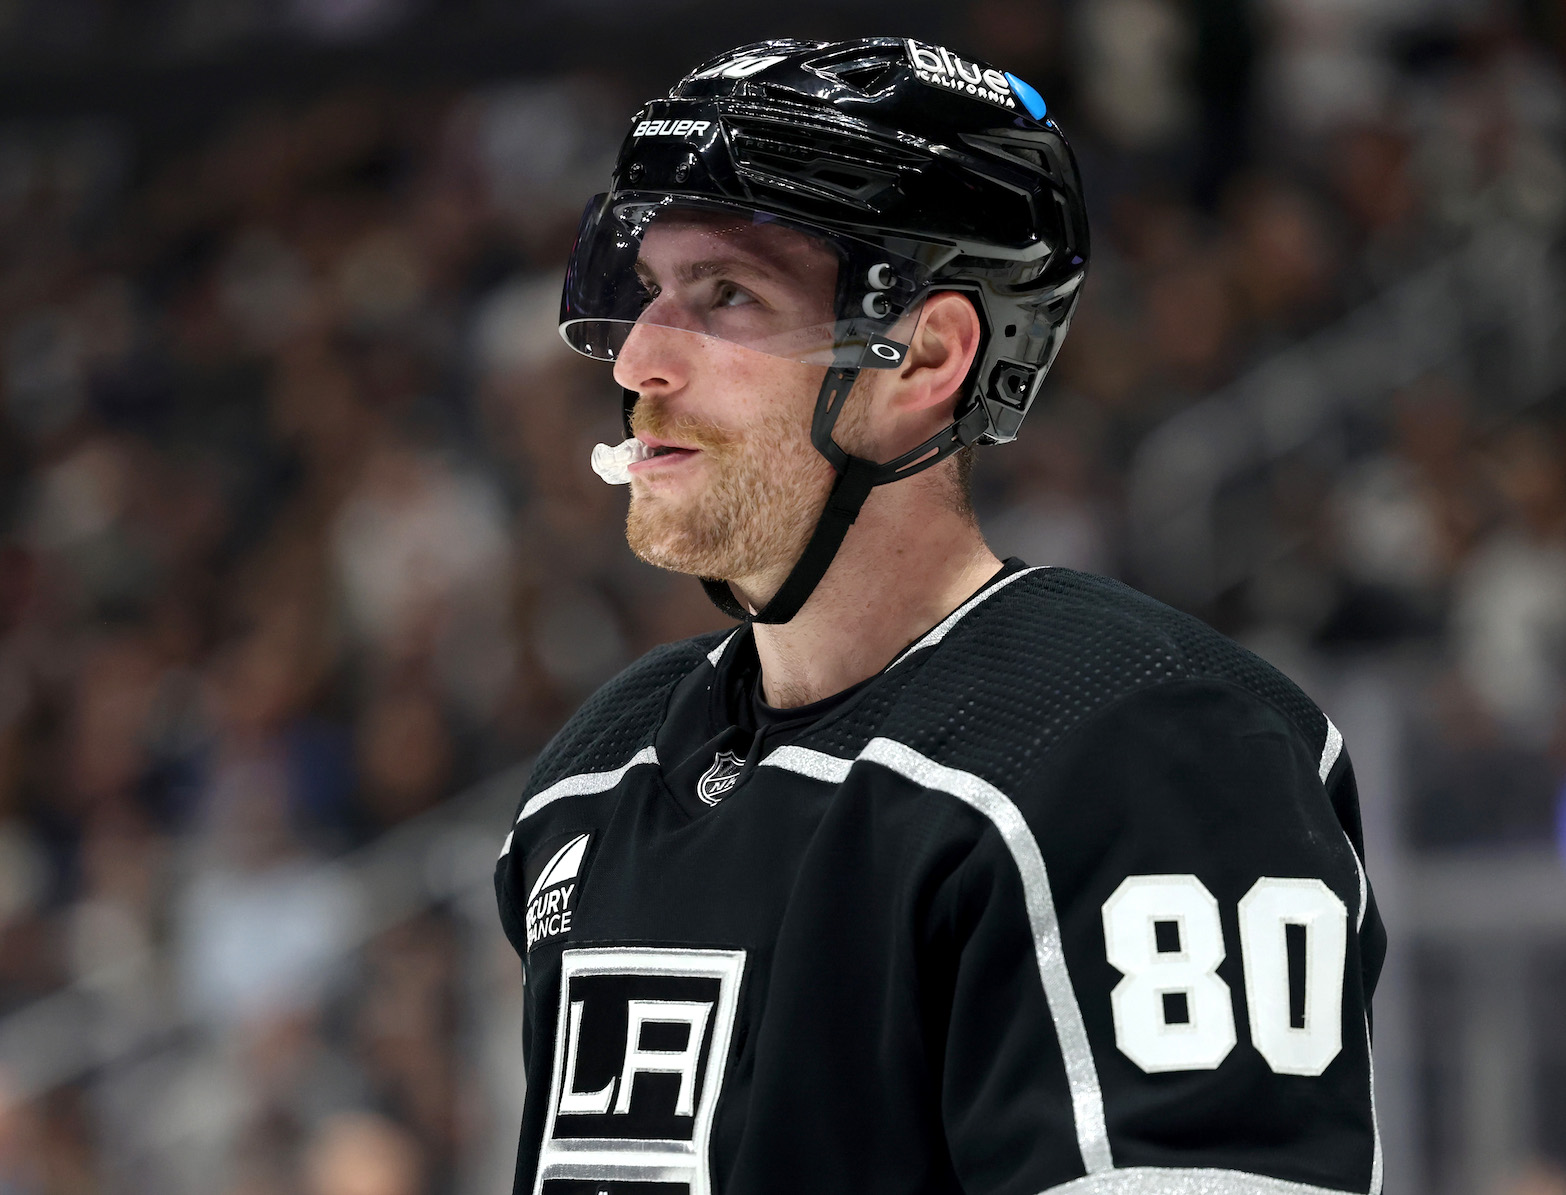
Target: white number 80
1173, 1013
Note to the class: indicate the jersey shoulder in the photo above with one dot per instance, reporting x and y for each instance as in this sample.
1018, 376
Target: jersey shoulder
623, 715
1053, 649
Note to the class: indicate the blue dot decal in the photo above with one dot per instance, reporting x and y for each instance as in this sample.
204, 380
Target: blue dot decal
1031, 100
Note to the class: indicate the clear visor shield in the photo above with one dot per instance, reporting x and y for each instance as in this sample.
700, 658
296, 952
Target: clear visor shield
733, 274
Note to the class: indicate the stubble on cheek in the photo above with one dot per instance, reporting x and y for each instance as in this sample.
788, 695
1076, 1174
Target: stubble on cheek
752, 509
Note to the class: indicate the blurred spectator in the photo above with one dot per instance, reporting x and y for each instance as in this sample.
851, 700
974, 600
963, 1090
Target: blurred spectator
261, 929
1053, 514
1509, 619
363, 1154
422, 555
1136, 59
19, 1174
1540, 1178
1284, 253
405, 756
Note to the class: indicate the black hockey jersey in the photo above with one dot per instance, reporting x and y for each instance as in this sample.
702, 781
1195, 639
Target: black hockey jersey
1069, 898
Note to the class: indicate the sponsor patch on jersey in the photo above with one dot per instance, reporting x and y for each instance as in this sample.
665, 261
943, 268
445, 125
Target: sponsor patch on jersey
718, 781
939, 67
641, 1044
552, 887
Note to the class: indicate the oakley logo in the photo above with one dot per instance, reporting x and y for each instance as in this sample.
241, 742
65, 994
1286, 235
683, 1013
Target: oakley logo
889, 351
641, 1045
740, 68
671, 128
938, 65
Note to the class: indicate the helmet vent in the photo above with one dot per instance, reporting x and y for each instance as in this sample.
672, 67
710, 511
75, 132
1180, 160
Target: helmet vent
857, 170
868, 74
867, 77
1008, 147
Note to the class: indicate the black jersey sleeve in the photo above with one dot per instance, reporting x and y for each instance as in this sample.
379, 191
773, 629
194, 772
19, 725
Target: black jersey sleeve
1163, 954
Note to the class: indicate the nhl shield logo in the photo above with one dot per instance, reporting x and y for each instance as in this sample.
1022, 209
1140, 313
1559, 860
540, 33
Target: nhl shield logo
718, 780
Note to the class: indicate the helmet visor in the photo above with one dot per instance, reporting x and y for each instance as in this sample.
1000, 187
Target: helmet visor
734, 274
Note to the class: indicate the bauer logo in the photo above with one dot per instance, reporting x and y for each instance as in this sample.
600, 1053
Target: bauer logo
551, 897
671, 128
642, 1041
938, 65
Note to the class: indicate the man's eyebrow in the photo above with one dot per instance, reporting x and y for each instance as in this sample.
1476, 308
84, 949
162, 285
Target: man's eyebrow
695, 271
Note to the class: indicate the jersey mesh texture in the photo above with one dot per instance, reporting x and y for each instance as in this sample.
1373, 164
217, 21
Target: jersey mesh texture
621, 717
1006, 684
1037, 660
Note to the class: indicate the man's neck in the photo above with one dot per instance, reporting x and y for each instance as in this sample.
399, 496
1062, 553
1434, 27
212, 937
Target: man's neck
906, 563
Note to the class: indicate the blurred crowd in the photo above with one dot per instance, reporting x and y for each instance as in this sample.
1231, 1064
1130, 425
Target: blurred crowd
298, 538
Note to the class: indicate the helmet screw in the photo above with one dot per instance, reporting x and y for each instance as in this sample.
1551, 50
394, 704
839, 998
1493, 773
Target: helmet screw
634, 174
683, 170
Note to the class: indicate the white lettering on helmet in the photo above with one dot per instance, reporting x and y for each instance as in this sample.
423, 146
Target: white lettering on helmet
939, 66
671, 128
742, 67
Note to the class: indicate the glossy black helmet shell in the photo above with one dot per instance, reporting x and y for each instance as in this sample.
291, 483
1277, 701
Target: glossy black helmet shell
939, 157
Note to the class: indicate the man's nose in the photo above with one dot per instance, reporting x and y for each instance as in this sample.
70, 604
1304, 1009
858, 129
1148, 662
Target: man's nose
654, 358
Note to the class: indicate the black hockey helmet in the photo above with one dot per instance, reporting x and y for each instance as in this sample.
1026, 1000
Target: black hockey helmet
915, 169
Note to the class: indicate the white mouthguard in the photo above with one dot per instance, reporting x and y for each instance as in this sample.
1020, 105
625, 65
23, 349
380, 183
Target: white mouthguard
614, 464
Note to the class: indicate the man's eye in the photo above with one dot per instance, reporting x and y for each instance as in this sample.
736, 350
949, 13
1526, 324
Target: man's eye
729, 295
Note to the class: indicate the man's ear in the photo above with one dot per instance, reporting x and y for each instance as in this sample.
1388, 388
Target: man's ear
940, 352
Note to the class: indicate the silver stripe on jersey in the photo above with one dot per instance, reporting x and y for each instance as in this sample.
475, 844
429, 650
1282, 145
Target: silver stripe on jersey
1330, 750
1168, 1180
943, 628
1377, 1165
1087, 1100
716, 653
818, 765
581, 785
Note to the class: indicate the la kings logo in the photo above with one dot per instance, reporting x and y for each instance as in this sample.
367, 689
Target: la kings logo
641, 1044
719, 780
552, 896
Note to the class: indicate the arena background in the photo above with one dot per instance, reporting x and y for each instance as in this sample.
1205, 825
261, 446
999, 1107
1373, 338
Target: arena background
301, 560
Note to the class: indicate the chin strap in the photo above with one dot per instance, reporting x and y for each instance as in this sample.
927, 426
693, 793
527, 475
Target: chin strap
843, 504
856, 477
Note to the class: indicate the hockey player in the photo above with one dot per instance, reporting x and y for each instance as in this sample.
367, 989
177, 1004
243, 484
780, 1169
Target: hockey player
938, 874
